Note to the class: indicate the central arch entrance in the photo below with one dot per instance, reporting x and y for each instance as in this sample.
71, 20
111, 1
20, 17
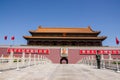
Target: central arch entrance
63, 58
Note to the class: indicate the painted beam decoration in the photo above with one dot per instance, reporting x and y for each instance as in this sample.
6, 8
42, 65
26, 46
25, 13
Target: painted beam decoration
28, 50
100, 51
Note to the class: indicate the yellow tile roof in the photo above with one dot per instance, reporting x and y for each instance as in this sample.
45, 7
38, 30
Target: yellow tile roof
64, 30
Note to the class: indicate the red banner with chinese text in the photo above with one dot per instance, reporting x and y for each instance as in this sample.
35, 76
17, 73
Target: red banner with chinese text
28, 50
99, 51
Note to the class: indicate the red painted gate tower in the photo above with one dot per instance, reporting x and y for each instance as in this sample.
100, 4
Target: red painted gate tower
64, 37
63, 44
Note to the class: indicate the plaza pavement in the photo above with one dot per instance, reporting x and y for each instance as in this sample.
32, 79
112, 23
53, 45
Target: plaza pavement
60, 72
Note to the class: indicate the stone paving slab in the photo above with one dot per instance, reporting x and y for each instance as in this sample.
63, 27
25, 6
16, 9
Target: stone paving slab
60, 72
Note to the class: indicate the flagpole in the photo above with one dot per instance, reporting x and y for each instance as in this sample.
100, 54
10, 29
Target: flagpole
5, 38
12, 38
13, 42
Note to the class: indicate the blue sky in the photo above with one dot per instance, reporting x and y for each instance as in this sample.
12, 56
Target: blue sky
17, 17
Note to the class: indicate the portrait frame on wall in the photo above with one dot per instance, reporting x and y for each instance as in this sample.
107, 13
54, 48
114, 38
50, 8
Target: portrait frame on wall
64, 52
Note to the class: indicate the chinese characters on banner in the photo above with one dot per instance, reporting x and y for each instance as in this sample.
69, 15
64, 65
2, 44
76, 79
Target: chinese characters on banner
99, 51
28, 50
64, 52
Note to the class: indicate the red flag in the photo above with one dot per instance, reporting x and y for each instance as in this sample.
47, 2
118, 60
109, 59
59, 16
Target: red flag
117, 41
12, 38
5, 37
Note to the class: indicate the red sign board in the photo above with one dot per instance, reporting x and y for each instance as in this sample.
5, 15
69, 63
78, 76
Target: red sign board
28, 50
87, 51
100, 51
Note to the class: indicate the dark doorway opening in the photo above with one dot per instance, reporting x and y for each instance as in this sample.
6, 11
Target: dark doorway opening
62, 59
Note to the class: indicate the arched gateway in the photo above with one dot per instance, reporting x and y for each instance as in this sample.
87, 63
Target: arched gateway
63, 58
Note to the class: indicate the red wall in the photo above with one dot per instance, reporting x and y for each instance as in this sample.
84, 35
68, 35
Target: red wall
54, 54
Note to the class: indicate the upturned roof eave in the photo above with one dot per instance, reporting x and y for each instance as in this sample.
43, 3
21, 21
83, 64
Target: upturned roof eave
92, 38
95, 32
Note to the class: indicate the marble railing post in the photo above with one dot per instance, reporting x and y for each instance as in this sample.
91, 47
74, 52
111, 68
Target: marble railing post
29, 59
11, 59
103, 62
89, 60
92, 59
38, 59
34, 59
23, 59
17, 68
82, 60
110, 58
1, 58
117, 65
85, 60
41, 59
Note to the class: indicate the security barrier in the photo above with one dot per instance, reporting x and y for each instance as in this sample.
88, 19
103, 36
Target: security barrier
11, 62
110, 63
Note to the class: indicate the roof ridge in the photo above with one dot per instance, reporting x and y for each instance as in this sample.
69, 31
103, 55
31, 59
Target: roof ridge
40, 27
